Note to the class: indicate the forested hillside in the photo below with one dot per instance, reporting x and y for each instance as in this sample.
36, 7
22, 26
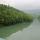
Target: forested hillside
10, 15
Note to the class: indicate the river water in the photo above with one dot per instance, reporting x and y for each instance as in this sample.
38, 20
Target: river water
30, 33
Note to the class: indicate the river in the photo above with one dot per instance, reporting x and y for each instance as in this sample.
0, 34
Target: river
30, 33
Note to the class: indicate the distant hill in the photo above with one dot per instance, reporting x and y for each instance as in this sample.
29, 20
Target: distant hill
32, 11
35, 10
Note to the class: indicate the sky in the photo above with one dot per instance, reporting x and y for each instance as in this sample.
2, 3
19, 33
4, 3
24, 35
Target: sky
22, 4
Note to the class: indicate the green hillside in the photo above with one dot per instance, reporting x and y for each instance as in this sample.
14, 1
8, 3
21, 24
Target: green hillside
10, 15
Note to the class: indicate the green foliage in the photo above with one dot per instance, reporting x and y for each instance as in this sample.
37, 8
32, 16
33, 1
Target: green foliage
10, 15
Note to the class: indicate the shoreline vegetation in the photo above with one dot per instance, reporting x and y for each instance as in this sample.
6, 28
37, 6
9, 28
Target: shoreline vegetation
8, 30
12, 20
10, 15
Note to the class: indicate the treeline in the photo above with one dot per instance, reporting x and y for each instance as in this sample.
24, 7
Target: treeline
10, 15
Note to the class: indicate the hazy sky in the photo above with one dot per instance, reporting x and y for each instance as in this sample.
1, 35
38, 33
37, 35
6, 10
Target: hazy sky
22, 4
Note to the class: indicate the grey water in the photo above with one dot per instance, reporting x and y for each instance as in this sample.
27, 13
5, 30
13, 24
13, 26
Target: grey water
2, 39
30, 33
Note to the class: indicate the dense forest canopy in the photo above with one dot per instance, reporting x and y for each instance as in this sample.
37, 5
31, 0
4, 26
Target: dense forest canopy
10, 15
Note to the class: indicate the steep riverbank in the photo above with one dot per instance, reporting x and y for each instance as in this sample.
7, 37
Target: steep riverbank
12, 20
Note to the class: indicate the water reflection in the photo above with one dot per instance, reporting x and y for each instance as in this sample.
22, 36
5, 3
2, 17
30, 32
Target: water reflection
21, 35
30, 33
2, 39
36, 31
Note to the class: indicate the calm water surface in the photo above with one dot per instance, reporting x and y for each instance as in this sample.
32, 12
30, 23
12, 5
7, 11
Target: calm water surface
30, 33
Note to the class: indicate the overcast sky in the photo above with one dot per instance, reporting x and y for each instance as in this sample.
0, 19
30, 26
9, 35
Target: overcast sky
22, 4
